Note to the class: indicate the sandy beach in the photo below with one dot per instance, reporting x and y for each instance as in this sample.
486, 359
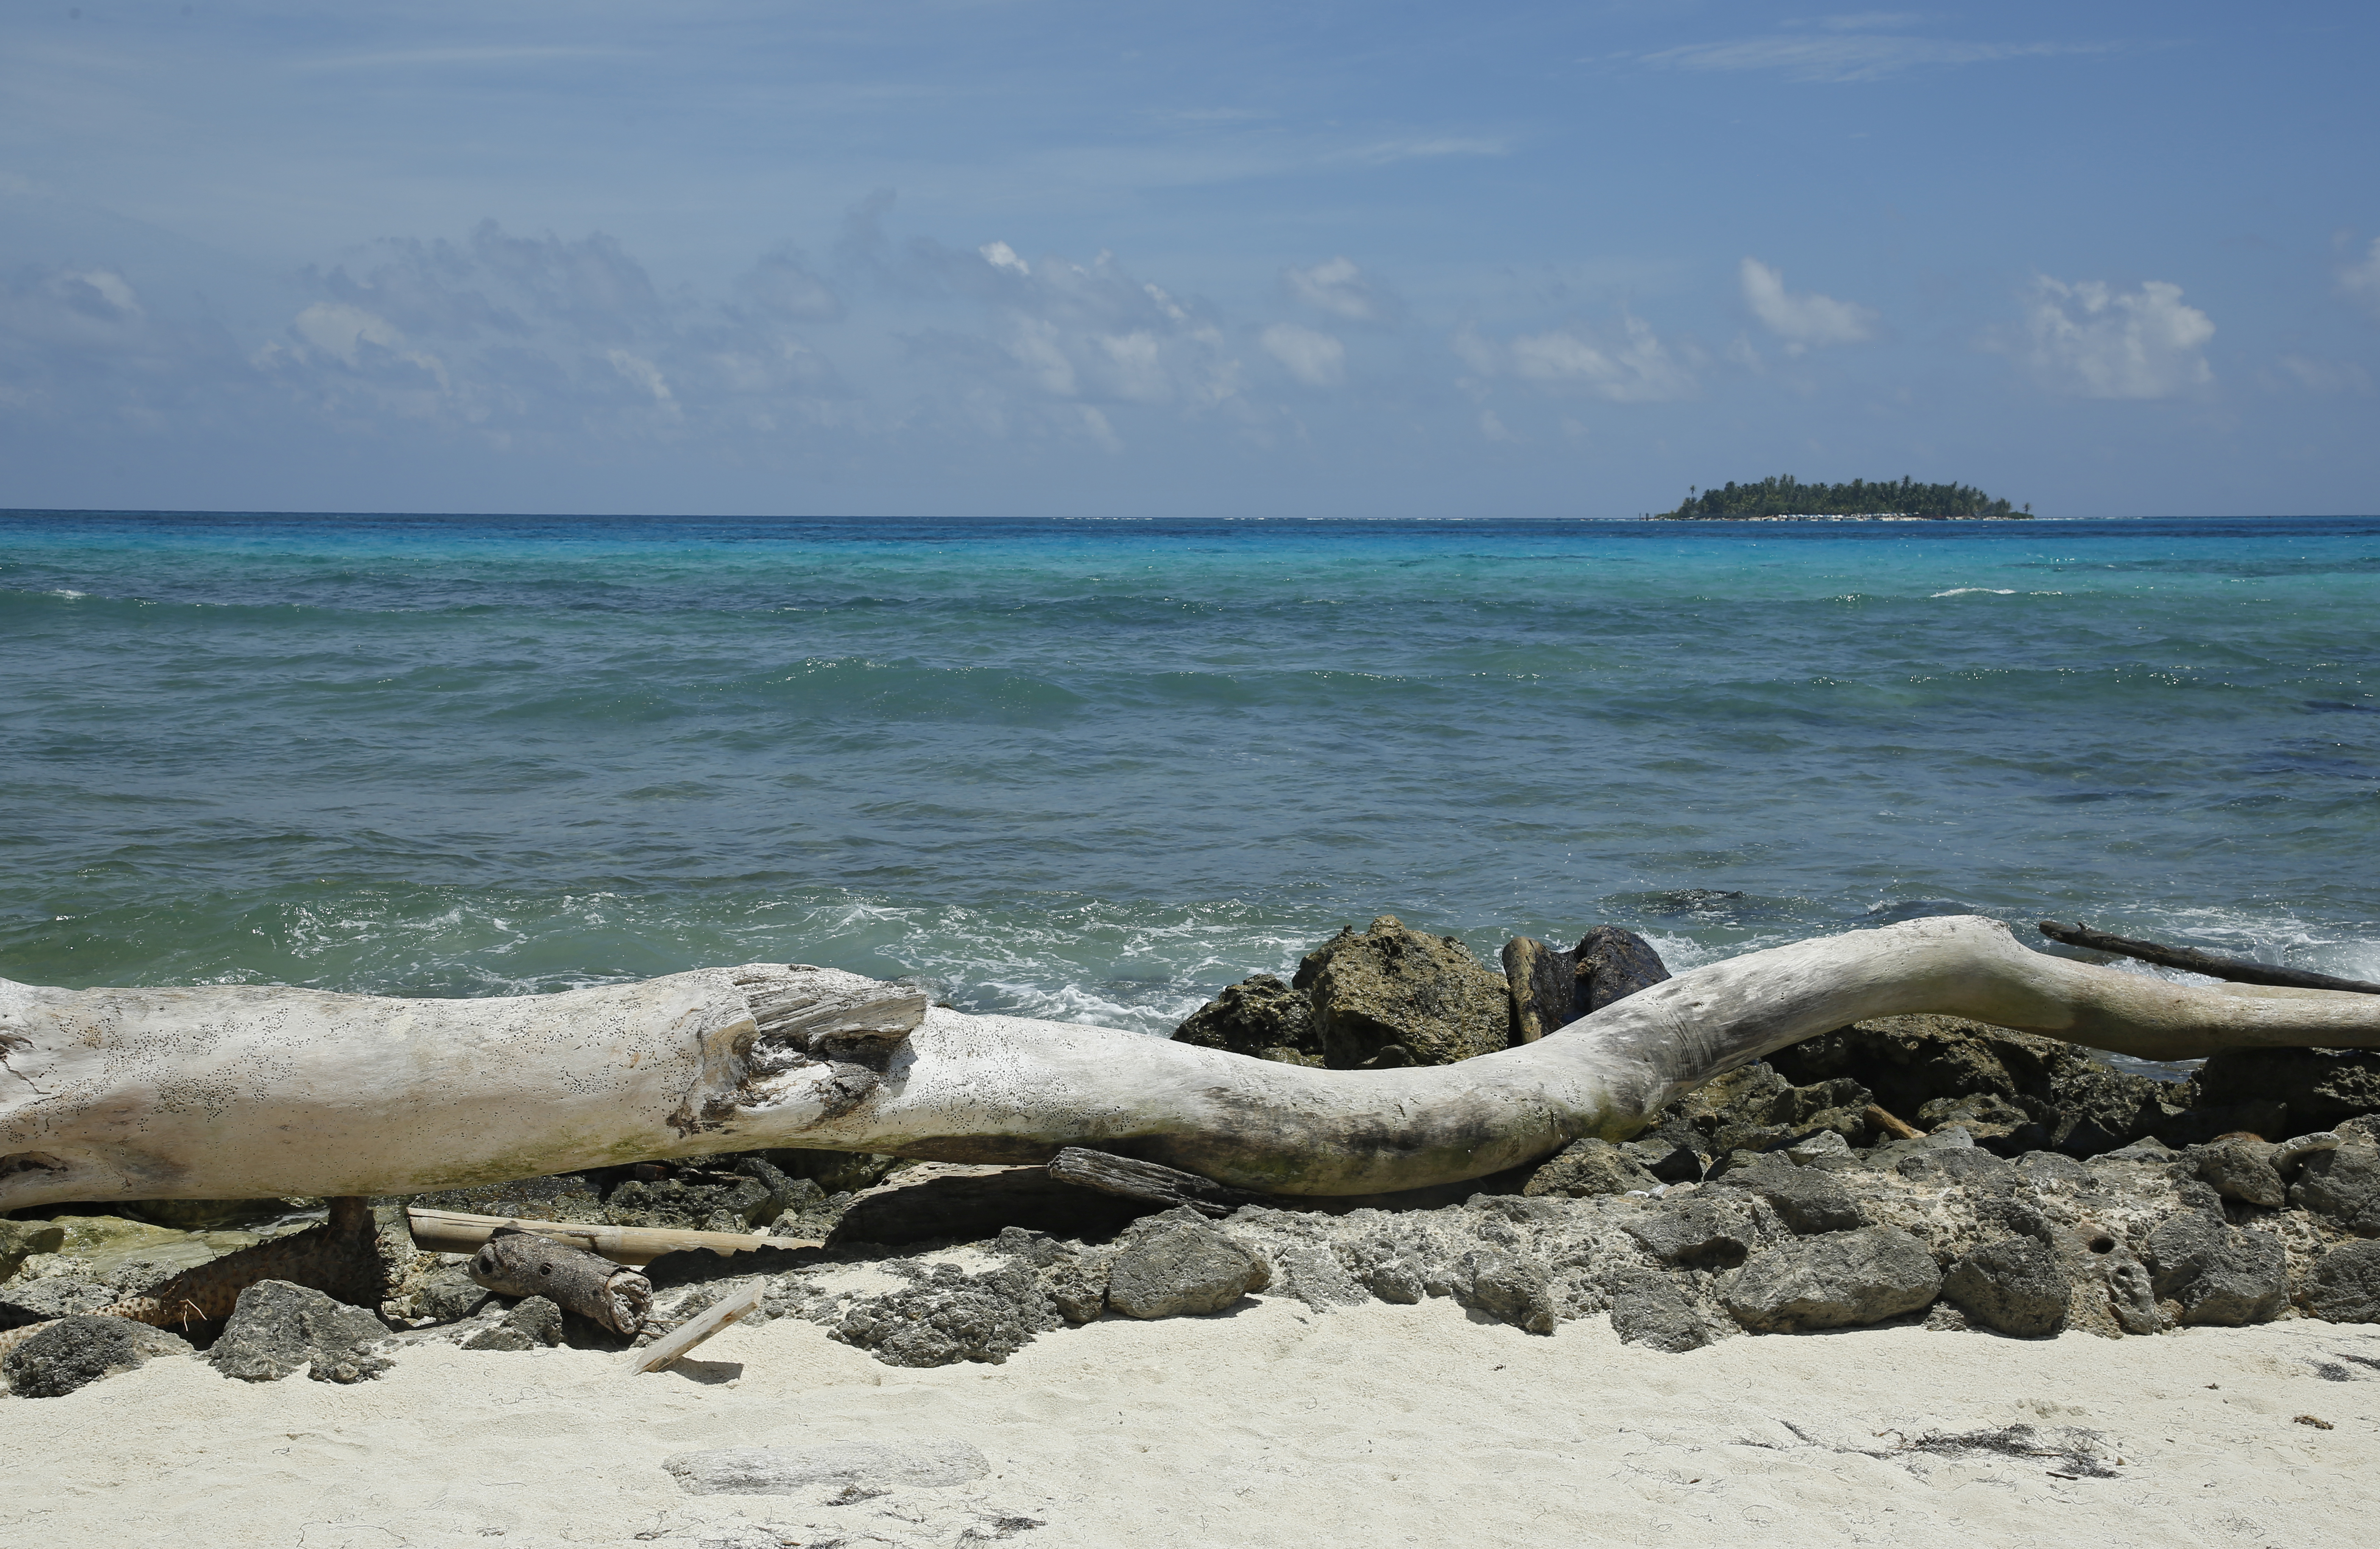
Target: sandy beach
1272, 1425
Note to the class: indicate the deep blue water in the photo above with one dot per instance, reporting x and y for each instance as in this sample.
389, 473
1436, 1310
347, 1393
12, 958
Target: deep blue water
1100, 768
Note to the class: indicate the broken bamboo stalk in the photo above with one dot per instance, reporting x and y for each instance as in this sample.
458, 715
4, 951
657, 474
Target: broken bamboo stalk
694, 1330
456, 1231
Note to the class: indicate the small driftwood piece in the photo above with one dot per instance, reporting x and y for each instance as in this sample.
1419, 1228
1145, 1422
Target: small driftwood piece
2215, 965
457, 1231
1111, 1174
696, 1329
1891, 1124
517, 1263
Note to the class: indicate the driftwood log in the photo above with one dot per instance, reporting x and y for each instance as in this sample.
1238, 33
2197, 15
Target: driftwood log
2215, 965
517, 1263
236, 1092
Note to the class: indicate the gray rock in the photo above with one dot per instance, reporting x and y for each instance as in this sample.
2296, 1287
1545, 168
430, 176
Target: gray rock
2318, 1088
2016, 1286
1507, 1286
1588, 1168
846, 1467
1313, 1274
1967, 1164
2346, 1285
1703, 1230
1834, 1281
1809, 1200
2131, 1299
448, 1294
567, 1196
1076, 1286
77, 1351
1669, 1161
1260, 1017
1184, 1266
276, 1329
57, 1296
2242, 1169
2343, 1184
950, 1317
1649, 1309
1394, 997
2180, 1248
2247, 1282
696, 1200
21, 1240
534, 1323
1399, 1280
1825, 1144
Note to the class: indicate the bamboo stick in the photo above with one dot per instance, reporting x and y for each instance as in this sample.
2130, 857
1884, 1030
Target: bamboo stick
456, 1231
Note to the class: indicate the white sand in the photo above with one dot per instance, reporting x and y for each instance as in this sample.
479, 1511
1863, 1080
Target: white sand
1378, 1425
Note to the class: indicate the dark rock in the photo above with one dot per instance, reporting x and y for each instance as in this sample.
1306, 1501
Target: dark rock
1838, 1280
57, 1296
448, 1294
855, 1471
2346, 1284
837, 1172
1552, 989
1702, 1231
1649, 1309
966, 1201
2070, 1102
1667, 1160
1181, 1266
2342, 1184
20, 1240
1809, 1200
2317, 1089
694, 1200
2016, 1286
1590, 1167
79, 1351
1259, 1016
1753, 1108
567, 1196
950, 1317
2217, 1272
2241, 1168
1391, 988
533, 1323
1507, 1286
277, 1328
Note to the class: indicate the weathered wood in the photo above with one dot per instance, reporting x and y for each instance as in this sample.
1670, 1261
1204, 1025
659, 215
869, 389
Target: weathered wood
1136, 1179
694, 1330
517, 1263
457, 1231
2215, 965
251, 1092
1899, 1129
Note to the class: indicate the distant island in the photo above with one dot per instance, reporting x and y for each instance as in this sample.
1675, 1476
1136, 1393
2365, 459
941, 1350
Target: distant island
1787, 499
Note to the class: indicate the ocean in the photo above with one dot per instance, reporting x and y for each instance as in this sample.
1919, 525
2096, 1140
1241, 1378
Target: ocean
1099, 769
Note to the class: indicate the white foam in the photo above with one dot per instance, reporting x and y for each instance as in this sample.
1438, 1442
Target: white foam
1987, 591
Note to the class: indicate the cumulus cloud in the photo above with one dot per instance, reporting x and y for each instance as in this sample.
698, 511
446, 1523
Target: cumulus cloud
2316, 375
2094, 340
78, 343
1342, 289
1311, 356
1805, 319
2360, 281
1637, 367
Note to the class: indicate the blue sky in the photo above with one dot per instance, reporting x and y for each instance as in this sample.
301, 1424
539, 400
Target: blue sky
1024, 257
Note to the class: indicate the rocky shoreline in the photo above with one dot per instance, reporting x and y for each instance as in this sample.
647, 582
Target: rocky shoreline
1912, 1170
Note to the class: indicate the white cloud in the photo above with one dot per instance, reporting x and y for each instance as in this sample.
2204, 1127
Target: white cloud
999, 255
1803, 319
2092, 339
1311, 356
1838, 54
1636, 368
1339, 288
2359, 282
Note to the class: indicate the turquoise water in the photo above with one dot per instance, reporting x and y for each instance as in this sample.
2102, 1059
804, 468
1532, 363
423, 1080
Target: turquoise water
1096, 769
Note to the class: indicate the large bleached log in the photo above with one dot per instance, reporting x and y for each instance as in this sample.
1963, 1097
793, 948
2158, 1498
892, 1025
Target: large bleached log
228, 1092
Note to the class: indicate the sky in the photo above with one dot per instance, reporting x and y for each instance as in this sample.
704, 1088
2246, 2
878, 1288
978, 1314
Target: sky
1014, 258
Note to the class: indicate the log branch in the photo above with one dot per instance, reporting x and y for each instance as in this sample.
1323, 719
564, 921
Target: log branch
233, 1092
2215, 965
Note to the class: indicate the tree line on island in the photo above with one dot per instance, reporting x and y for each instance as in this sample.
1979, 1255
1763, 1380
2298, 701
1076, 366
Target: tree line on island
1787, 496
